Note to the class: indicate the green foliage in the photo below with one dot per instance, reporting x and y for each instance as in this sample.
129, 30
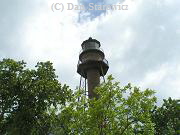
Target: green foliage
167, 118
33, 102
29, 98
118, 111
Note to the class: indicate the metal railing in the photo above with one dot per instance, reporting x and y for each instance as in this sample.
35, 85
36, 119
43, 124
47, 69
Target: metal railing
104, 60
82, 50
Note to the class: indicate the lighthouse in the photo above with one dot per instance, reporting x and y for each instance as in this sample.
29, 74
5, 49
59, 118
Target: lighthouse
92, 64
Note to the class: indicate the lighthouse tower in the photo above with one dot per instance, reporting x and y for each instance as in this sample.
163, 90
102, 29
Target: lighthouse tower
92, 64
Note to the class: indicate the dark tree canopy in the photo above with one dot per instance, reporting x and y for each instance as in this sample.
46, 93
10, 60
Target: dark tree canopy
27, 97
34, 102
167, 118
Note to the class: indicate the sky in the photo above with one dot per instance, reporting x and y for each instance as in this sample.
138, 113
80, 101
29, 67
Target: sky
142, 44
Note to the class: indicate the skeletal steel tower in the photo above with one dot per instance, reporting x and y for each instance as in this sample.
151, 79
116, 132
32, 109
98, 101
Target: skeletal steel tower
92, 64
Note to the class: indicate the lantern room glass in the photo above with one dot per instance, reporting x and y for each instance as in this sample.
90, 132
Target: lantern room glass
90, 45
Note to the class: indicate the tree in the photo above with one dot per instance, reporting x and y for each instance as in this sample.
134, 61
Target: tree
33, 102
167, 117
119, 111
29, 98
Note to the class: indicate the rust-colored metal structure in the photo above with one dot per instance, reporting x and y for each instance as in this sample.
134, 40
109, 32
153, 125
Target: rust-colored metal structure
92, 64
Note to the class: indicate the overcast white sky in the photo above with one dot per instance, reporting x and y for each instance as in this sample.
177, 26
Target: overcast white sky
142, 44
